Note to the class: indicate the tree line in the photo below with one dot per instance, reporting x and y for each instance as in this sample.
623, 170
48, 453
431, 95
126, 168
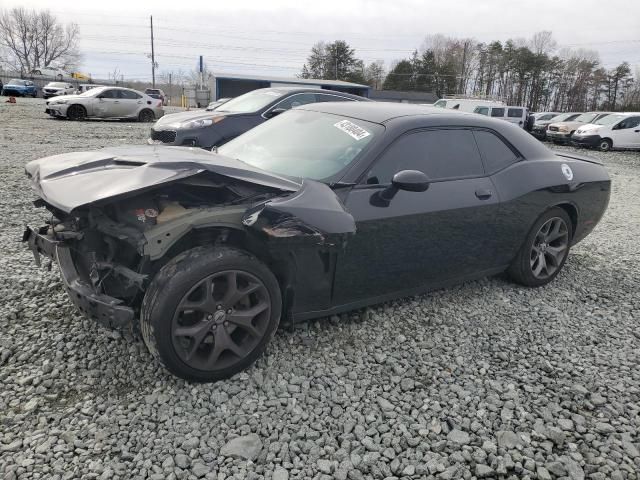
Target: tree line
531, 72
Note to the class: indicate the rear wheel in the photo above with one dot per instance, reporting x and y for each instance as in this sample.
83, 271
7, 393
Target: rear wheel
605, 145
545, 249
76, 112
208, 314
146, 116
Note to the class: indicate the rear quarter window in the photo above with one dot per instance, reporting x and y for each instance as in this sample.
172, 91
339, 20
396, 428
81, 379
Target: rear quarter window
514, 113
496, 154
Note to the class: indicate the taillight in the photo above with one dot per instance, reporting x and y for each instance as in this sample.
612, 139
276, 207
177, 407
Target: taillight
160, 103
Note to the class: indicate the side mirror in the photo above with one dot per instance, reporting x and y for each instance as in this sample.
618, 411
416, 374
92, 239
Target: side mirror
408, 180
276, 111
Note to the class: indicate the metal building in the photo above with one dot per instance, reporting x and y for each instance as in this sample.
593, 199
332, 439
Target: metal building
231, 84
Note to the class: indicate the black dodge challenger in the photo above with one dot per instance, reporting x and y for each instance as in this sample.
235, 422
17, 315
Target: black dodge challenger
326, 208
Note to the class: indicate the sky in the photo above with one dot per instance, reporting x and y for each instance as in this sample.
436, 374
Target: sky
273, 37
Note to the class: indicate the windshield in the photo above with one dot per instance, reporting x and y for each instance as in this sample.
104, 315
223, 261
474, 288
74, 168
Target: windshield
57, 85
251, 102
586, 117
151, 90
609, 119
303, 144
564, 117
441, 104
17, 81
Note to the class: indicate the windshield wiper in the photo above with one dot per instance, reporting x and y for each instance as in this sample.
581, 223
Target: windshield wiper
341, 184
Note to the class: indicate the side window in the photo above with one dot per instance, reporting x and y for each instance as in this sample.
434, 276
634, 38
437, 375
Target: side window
440, 154
497, 112
496, 154
514, 113
297, 100
321, 97
129, 95
482, 110
109, 94
630, 122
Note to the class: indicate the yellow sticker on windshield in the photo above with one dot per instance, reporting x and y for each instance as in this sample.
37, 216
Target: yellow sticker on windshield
351, 129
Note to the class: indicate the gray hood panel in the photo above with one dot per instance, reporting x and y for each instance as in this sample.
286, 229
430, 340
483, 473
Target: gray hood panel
77, 179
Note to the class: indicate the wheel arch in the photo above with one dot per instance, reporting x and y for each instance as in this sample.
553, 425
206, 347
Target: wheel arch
282, 266
572, 211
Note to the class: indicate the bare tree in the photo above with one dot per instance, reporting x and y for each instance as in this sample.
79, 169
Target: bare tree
33, 39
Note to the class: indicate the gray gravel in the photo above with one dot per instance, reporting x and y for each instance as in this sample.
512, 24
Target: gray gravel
485, 380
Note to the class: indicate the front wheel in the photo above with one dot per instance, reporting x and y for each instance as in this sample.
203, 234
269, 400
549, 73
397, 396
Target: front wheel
209, 314
76, 112
605, 145
545, 249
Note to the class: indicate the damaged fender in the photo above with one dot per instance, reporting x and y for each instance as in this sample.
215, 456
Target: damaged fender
314, 212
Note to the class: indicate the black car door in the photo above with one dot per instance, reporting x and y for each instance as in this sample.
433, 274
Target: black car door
419, 238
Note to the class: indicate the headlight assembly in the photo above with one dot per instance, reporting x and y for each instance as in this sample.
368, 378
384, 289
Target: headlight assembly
205, 122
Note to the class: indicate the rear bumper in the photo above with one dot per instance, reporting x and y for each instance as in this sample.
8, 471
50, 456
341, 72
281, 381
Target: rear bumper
586, 141
105, 310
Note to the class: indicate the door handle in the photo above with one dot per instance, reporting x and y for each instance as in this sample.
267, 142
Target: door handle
636, 131
116, 101
483, 193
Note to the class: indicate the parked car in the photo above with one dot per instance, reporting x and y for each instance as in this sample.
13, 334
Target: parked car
208, 129
616, 130
20, 88
539, 128
542, 116
516, 115
156, 93
106, 102
561, 132
51, 71
84, 87
215, 104
53, 89
323, 209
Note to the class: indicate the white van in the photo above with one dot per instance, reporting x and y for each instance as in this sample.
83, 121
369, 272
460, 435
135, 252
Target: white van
517, 115
465, 104
616, 130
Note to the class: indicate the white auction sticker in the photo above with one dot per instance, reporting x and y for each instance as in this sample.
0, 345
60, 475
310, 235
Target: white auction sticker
351, 129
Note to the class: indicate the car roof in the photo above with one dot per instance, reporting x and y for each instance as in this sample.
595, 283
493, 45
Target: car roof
311, 90
381, 112
404, 117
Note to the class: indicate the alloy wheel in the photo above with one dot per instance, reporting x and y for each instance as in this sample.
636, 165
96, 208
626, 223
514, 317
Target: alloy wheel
221, 320
549, 248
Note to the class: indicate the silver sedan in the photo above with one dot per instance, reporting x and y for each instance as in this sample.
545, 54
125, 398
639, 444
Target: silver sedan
106, 102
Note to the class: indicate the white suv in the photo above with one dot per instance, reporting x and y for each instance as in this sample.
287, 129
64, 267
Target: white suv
53, 89
616, 130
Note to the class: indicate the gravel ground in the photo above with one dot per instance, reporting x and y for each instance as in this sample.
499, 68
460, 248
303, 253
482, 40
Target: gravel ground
485, 380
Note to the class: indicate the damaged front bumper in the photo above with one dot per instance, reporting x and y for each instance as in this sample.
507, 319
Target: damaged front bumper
107, 311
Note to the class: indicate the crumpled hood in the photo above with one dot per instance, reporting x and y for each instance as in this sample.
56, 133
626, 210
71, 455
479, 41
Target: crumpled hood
77, 179
184, 117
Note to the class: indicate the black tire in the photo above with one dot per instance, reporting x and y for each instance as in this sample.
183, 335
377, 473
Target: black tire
605, 145
554, 252
146, 116
168, 308
76, 112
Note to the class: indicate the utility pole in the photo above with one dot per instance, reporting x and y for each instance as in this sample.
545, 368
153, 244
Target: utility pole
169, 87
153, 58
